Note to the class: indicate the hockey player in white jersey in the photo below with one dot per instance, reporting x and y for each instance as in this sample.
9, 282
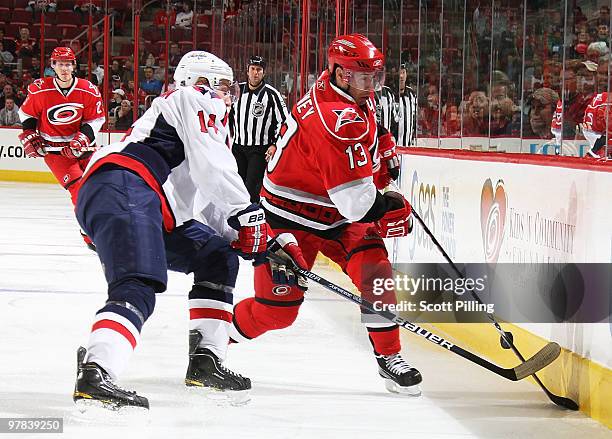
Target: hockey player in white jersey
139, 201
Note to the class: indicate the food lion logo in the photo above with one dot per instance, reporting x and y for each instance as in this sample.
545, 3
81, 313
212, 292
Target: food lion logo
493, 204
64, 114
258, 109
346, 116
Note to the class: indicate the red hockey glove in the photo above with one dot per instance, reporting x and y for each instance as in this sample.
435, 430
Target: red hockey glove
286, 254
386, 149
32, 143
79, 145
398, 221
252, 229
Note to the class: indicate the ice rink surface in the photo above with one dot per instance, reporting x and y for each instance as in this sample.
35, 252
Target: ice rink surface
317, 379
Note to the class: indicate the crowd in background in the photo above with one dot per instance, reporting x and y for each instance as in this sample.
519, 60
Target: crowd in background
495, 69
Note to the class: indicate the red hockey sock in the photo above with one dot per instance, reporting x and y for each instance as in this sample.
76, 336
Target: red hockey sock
386, 341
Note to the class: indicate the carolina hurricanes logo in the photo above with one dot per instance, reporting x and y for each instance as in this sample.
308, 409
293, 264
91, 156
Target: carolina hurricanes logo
281, 290
492, 218
64, 114
346, 116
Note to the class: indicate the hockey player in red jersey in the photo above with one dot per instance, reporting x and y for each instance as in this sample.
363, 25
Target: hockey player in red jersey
322, 186
597, 126
61, 117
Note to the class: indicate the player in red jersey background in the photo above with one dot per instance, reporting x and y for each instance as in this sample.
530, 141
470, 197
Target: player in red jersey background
61, 117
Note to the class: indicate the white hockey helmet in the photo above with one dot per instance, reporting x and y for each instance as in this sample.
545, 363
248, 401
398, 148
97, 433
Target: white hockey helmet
200, 64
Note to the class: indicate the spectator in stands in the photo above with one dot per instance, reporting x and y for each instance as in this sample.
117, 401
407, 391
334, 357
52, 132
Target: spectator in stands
501, 116
149, 84
9, 43
48, 69
129, 95
160, 71
149, 60
5, 55
476, 114
116, 82
8, 92
40, 5
25, 46
84, 6
175, 55
26, 80
116, 69
596, 51
452, 124
98, 52
35, 67
428, 121
184, 18
9, 115
125, 117
542, 106
161, 17
128, 70
603, 32
97, 73
115, 103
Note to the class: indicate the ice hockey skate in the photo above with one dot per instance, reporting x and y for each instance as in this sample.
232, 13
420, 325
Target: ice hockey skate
95, 388
399, 376
207, 371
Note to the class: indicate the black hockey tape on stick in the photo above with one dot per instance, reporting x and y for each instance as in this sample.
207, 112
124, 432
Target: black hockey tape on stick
541, 359
508, 340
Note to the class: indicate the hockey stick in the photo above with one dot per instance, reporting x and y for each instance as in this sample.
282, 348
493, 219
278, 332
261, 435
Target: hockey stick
541, 359
505, 336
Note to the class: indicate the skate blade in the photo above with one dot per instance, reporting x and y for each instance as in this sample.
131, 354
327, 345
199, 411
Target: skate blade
96, 413
221, 397
393, 387
96, 407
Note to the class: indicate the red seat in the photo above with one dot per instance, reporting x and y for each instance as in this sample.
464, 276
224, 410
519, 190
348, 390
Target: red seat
20, 4
68, 17
21, 16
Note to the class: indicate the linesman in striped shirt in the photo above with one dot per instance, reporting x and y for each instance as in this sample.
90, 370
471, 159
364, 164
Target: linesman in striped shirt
407, 111
256, 119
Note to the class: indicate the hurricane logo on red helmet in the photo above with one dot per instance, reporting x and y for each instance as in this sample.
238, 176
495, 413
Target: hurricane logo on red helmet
64, 114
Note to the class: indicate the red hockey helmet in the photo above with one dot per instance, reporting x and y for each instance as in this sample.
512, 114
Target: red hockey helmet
63, 54
362, 62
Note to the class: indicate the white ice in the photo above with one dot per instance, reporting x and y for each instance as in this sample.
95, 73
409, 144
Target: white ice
317, 379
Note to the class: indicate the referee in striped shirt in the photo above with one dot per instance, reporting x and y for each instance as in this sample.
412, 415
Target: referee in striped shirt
407, 111
256, 119
384, 99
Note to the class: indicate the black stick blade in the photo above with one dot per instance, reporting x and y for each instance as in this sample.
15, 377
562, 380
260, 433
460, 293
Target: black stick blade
540, 360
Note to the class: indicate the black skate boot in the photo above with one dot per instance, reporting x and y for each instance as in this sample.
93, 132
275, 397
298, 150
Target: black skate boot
206, 370
399, 376
94, 387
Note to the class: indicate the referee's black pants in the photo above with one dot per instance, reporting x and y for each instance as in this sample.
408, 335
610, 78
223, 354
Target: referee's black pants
251, 162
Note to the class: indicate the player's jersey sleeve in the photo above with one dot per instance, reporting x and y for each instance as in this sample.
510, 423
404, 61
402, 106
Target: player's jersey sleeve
201, 122
93, 111
346, 172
